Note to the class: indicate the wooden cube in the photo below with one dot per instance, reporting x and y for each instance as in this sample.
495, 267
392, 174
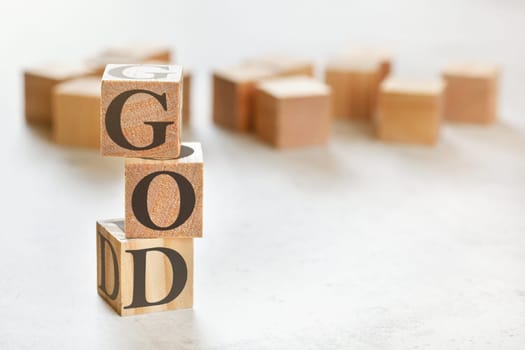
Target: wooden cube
293, 112
355, 84
130, 54
233, 95
372, 54
38, 86
145, 52
284, 65
99, 62
471, 93
76, 113
137, 276
409, 111
141, 110
186, 104
164, 197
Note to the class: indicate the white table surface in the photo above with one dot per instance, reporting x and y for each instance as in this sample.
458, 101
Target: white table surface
358, 244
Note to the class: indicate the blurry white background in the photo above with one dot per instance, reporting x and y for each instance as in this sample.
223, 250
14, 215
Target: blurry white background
357, 245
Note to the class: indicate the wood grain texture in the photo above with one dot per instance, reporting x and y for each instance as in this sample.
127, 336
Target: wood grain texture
293, 112
355, 84
164, 205
76, 113
186, 97
471, 93
233, 95
284, 65
142, 108
409, 111
117, 284
38, 87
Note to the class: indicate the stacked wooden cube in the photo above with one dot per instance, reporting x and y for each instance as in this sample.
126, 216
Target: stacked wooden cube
66, 96
145, 261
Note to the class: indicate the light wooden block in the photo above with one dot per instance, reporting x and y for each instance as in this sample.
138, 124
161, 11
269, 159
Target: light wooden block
99, 63
293, 112
141, 110
471, 93
355, 84
130, 54
284, 65
186, 104
137, 276
38, 87
409, 111
372, 54
76, 112
233, 95
164, 197
144, 52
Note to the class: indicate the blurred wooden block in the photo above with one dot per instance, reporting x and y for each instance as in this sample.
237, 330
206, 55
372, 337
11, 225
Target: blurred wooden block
38, 86
409, 111
471, 93
164, 197
137, 276
372, 54
99, 63
186, 99
76, 112
355, 84
130, 54
233, 95
141, 110
284, 65
143, 51
293, 112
